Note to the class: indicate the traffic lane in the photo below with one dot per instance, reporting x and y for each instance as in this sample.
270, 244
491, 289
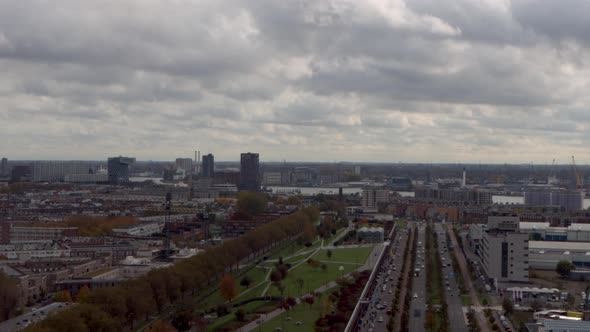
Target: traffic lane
20, 322
383, 312
418, 304
455, 306
370, 318
371, 315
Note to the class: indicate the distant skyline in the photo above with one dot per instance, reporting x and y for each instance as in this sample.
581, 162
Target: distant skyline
457, 81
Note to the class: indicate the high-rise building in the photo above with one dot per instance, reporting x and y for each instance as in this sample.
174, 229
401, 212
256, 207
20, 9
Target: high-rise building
208, 167
4, 166
118, 168
56, 170
249, 172
372, 197
504, 250
186, 164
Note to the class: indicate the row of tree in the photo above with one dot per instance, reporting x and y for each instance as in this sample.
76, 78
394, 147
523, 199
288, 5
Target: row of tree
405, 319
117, 308
434, 277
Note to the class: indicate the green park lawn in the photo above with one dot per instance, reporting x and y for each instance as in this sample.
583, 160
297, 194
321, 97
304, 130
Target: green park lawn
351, 255
302, 313
314, 278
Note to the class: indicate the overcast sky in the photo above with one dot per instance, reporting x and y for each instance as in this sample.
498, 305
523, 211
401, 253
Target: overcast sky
308, 80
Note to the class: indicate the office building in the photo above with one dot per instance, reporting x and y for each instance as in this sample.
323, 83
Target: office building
20, 173
372, 197
571, 200
208, 168
227, 176
55, 170
455, 195
4, 166
272, 178
249, 172
118, 169
86, 178
186, 164
304, 176
504, 250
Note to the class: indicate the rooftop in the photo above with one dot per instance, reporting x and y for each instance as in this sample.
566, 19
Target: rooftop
559, 245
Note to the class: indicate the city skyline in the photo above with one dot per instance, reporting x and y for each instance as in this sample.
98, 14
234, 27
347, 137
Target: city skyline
388, 81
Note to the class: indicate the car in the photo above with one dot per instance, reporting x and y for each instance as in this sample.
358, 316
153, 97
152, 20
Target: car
417, 313
380, 320
390, 292
415, 295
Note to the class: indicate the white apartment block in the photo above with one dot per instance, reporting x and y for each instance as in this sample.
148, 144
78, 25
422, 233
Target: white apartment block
504, 250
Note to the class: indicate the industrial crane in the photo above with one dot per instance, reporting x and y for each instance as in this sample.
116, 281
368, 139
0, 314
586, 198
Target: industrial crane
579, 178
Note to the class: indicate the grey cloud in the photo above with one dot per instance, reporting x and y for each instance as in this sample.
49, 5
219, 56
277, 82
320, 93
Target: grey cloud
327, 79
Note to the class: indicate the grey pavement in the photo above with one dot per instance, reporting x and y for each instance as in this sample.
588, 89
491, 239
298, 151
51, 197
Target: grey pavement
20, 322
418, 304
378, 303
457, 317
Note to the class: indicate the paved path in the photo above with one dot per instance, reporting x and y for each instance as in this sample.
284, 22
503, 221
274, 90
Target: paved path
255, 324
483, 324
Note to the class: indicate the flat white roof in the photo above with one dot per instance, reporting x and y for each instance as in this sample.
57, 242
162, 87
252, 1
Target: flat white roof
529, 225
533, 225
559, 245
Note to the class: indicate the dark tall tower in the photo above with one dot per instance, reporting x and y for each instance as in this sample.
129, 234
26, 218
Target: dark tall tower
118, 168
208, 167
249, 172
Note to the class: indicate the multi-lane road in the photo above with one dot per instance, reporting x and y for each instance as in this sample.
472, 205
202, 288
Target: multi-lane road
455, 306
418, 290
378, 303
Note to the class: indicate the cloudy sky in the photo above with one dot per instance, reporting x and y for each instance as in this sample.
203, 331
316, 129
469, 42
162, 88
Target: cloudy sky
322, 80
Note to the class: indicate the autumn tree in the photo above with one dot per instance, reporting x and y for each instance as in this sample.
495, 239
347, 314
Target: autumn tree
160, 326
309, 300
309, 232
564, 268
508, 306
111, 300
182, 320
228, 288
83, 293
246, 281
240, 315
251, 203
62, 296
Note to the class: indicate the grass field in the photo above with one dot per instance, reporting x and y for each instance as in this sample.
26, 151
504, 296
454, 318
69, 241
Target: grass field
315, 278
352, 255
301, 313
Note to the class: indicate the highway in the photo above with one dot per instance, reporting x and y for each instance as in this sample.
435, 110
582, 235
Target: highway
378, 303
418, 304
20, 322
455, 306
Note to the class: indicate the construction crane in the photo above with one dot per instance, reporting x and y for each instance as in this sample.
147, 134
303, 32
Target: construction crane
579, 179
